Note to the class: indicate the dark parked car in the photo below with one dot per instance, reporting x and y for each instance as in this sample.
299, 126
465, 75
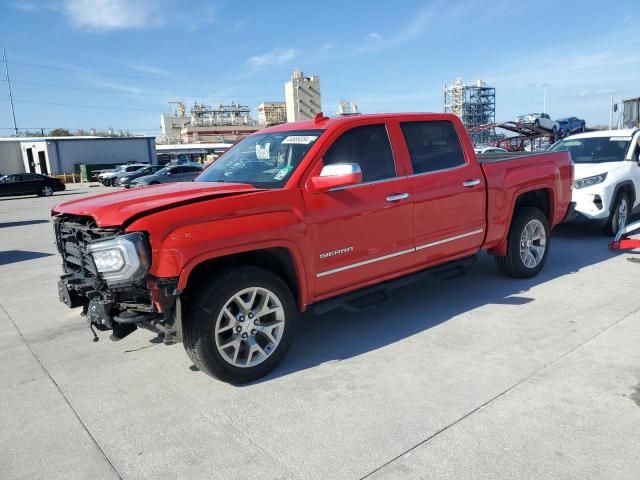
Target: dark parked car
173, 173
571, 125
108, 178
124, 179
29, 184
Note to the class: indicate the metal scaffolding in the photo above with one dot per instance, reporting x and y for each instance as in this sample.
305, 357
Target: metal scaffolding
221, 115
475, 105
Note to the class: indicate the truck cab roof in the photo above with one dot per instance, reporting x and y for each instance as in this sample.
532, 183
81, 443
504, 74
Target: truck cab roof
326, 122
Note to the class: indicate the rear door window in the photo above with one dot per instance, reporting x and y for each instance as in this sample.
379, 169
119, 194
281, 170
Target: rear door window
369, 147
433, 146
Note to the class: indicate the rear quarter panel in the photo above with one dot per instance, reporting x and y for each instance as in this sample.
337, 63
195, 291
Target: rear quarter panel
510, 178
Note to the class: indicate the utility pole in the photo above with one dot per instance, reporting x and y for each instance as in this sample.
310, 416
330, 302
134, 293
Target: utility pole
611, 113
6, 71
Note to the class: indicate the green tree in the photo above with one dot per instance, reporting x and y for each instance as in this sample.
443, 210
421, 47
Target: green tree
60, 132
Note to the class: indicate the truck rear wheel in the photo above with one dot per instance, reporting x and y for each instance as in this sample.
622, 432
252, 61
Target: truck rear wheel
527, 244
240, 326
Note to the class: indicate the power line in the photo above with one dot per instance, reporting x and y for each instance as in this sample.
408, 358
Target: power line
77, 105
123, 92
8, 80
144, 77
193, 80
76, 128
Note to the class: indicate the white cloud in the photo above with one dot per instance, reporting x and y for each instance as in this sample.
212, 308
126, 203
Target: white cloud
149, 69
578, 82
24, 6
277, 56
109, 15
105, 15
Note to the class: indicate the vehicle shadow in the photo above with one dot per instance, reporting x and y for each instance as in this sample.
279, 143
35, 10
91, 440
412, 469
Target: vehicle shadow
22, 223
342, 334
21, 197
14, 256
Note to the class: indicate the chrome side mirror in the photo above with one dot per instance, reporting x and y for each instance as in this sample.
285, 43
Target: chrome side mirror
336, 175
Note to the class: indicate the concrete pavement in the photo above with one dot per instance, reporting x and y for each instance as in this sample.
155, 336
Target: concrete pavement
476, 377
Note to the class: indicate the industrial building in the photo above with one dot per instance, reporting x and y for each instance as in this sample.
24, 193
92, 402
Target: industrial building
221, 123
171, 124
346, 109
272, 113
59, 155
302, 96
475, 104
631, 112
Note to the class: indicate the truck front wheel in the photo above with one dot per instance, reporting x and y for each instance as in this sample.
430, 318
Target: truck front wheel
240, 326
527, 244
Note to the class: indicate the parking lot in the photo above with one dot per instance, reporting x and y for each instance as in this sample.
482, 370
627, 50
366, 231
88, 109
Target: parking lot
479, 376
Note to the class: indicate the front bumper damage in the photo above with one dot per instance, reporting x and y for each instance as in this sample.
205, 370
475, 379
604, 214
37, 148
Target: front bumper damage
151, 303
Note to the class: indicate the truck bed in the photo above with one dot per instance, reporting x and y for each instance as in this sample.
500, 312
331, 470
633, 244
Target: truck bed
510, 175
500, 157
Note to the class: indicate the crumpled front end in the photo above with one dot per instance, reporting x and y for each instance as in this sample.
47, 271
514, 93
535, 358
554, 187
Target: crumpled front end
106, 273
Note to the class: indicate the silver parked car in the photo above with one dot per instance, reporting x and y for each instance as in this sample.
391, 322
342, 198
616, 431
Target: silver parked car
170, 174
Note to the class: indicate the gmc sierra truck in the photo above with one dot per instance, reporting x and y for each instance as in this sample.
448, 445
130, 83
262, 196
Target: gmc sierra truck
311, 213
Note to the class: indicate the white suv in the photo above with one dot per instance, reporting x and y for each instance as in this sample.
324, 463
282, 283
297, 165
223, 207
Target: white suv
607, 175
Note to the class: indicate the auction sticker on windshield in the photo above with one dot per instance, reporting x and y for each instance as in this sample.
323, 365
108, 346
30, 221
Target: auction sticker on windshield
620, 139
283, 172
299, 139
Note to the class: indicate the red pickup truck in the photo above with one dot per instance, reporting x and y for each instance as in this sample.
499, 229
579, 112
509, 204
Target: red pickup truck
307, 213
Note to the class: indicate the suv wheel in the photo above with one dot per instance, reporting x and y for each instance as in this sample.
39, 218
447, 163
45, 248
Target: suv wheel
527, 244
241, 325
619, 214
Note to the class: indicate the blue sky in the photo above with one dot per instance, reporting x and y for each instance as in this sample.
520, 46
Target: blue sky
116, 63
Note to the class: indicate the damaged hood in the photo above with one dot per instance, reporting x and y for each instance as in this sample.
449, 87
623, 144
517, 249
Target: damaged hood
114, 209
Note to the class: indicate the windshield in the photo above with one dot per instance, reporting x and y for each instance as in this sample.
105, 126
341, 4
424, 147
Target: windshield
595, 149
264, 160
163, 171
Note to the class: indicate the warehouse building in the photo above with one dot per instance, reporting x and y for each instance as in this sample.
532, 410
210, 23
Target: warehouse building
60, 155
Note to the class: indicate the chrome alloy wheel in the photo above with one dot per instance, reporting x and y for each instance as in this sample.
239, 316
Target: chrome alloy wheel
623, 212
249, 327
47, 191
533, 243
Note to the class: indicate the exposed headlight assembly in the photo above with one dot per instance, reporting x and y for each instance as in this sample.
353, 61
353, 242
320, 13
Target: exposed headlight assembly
122, 258
590, 181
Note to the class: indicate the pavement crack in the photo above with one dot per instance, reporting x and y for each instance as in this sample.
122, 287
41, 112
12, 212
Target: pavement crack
504, 392
62, 394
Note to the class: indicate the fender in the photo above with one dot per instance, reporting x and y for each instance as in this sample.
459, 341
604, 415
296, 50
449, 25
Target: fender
501, 248
292, 248
625, 183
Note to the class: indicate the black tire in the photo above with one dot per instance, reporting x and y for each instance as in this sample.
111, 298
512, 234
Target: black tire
206, 304
154, 183
512, 263
612, 226
536, 123
45, 191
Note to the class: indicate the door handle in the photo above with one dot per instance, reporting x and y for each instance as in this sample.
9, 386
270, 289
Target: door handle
396, 197
471, 183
